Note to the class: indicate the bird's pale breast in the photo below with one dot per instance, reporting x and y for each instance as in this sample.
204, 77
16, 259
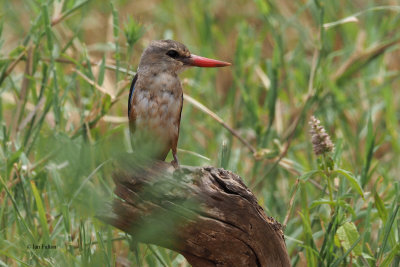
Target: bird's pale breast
158, 108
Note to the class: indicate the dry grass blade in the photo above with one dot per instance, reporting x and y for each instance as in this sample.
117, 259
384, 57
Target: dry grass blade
31, 114
115, 119
194, 154
12, 65
24, 86
353, 18
93, 117
61, 17
263, 77
290, 208
342, 21
359, 60
107, 66
206, 110
98, 87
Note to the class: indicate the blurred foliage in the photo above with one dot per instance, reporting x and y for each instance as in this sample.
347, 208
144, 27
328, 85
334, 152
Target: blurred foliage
65, 70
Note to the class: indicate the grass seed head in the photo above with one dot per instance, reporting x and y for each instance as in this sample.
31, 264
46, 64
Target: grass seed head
319, 138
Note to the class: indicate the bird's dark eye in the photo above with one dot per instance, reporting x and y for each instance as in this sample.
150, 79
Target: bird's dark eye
173, 53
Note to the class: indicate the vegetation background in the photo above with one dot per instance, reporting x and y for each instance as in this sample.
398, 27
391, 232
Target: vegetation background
65, 70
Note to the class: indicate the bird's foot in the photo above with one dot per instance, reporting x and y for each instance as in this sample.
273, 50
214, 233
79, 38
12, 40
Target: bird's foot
175, 162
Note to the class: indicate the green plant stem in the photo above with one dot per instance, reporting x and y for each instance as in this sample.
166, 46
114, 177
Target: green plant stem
328, 178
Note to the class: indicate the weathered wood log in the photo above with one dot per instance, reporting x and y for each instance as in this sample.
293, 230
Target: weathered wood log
206, 214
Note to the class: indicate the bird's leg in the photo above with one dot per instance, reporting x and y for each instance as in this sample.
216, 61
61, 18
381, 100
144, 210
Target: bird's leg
174, 146
175, 162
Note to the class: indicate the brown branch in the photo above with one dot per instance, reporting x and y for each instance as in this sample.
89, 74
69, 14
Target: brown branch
206, 214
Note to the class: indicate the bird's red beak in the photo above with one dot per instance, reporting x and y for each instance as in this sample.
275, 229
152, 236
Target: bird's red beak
206, 62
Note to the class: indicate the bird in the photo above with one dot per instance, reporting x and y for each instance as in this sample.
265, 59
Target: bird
156, 97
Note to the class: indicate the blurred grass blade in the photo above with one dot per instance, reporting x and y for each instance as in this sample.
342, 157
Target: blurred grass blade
116, 37
88, 65
103, 248
387, 230
8, 255
311, 251
390, 256
42, 213
370, 145
309, 242
21, 219
366, 236
102, 71
47, 25
56, 103
383, 214
339, 260
329, 238
166, 258
338, 151
85, 182
359, 60
157, 256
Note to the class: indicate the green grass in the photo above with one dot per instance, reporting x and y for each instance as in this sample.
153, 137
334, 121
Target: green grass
65, 68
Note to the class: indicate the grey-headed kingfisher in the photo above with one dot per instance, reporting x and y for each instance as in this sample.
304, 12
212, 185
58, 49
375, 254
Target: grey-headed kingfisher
156, 97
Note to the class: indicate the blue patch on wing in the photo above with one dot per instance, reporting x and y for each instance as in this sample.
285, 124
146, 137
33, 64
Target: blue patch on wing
132, 89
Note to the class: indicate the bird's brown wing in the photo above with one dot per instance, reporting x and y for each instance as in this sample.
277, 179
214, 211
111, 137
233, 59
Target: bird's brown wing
175, 141
131, 109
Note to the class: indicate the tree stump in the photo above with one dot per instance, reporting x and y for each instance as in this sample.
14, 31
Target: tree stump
206, 214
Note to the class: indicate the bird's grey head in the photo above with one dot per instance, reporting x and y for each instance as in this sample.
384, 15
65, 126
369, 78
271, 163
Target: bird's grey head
172, 56
165, 56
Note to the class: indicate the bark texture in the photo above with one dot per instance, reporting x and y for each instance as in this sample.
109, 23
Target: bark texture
206, 214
